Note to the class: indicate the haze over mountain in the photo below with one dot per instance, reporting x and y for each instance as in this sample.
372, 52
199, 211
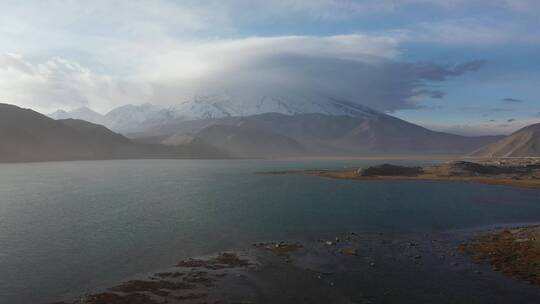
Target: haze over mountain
26, 135
282, 125
83, 113
285, 126
522, 143
246, 141
367, 132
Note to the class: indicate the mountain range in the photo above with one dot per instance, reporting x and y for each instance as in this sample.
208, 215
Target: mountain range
26, 135
135, 118
274, 134
281, 126
127, 118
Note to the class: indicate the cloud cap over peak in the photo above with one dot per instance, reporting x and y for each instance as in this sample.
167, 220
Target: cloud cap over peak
359, 68
390, 55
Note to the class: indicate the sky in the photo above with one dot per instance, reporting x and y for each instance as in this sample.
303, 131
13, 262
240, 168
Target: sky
464, 66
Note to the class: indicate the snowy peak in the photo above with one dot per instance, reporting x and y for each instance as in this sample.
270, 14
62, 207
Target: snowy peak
87, 114
83, 113
134, 118
227, 104
208, 106
59, 114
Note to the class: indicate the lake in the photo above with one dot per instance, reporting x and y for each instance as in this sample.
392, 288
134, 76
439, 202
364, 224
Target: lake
67, 228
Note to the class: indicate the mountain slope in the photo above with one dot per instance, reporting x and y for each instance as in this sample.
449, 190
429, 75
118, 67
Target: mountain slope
226, 104
319, 134
522, 143
241, 141
26, 135
130, 118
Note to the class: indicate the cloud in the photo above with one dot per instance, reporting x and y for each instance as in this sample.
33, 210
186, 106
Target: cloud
477, 31
469, 108
125, 19
112, 53
58, 83
359, 68
101, 28
511, 100
479, 129
342, 9
528, 6
436, 94
499, 110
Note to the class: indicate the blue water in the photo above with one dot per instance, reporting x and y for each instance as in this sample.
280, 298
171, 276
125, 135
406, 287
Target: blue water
70, 227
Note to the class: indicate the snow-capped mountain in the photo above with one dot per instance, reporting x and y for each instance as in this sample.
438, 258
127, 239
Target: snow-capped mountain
227, 104
283, 125
132, 118
124, 119
135, 118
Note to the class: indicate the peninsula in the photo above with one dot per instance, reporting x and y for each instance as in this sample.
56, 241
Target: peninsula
517, 172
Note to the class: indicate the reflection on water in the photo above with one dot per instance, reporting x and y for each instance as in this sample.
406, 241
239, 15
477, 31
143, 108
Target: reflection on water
69, 227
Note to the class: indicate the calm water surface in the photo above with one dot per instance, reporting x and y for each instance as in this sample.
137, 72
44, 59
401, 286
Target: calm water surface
69, 227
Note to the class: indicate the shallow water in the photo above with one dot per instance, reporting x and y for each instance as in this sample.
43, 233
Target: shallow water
70, 227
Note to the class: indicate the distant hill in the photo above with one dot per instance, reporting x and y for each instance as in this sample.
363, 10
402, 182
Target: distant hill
320, 134
522, 143
26, 135
83, 113
127, 118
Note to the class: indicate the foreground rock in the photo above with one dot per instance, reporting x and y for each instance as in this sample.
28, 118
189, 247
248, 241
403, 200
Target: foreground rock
347, 268
515, 252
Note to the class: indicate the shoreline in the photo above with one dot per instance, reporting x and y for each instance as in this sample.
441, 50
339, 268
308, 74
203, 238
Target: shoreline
379, 157
514, 251
349, 267
427, 173
347, 175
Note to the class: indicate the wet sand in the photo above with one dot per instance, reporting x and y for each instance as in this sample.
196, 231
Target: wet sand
348, 268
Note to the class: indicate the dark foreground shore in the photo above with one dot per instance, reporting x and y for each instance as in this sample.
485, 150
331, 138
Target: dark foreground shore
348, 268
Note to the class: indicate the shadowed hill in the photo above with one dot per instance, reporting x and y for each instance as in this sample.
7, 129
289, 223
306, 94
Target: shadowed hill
26, 135
522, 143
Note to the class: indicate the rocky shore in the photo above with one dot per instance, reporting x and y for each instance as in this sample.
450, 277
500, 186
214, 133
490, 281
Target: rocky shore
519, 172
515, 252
353, 267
